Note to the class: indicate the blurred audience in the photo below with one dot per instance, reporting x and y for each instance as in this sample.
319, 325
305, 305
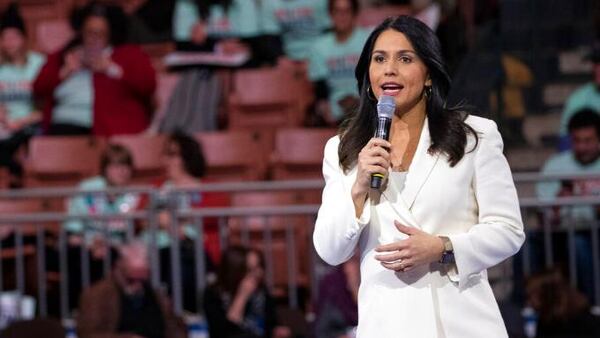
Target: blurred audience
337, 309
150, 21
452, 32
508, 102
92, 240
97, 84
583, 158
124, 305
298, 22
222, 27
587, 96
562, 311
332, 61
238, 304
116, 169
19, 119
185, 168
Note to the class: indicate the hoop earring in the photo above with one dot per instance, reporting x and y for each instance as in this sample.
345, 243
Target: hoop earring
370, 94
428, 92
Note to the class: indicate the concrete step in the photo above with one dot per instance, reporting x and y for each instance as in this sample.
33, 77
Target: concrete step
535, 127
528, 158
573, 62
555, 94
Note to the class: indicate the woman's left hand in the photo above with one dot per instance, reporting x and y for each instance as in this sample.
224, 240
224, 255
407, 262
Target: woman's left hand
419, 248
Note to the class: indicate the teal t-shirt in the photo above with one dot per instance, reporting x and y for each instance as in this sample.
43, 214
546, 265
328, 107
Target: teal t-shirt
75, 100
565, 163
298, 22
99, 204
334, 62
183, 202
587, 96
239, 21
16, 85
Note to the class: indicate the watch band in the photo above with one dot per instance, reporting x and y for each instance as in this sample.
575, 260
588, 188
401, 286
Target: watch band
448, 254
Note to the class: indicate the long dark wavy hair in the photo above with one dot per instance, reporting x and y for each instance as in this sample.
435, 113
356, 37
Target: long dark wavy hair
446, 124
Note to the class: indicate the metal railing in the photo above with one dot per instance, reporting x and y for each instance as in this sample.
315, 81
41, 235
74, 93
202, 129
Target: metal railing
198, 216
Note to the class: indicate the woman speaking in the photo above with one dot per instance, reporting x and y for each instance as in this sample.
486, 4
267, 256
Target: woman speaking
447, 209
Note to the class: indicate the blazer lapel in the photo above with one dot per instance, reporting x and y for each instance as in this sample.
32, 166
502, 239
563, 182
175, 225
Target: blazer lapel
420, 167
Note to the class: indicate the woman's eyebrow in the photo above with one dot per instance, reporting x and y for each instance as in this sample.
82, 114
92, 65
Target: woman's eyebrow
402, 51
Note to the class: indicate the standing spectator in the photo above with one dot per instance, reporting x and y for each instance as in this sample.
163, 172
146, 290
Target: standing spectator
97, 84
124, 305
239, 304
332, 62
19, 120
298, 22
587, 96
584, 158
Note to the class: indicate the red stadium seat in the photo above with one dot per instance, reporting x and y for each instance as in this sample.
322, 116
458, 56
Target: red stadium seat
373, 16
51, 35
62, 160
234, 155
147, 153
299, 153
265, 98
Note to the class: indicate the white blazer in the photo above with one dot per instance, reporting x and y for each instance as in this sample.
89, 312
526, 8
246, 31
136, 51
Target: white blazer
474, 203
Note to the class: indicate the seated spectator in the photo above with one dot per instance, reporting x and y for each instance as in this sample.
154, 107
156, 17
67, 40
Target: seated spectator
19, 120
225, 27
587, 96
332, 62
337, 309
238, 304
563, 312
299, 23
97, 84
125, 305
185, 167
116, 168
584, 158
99, 238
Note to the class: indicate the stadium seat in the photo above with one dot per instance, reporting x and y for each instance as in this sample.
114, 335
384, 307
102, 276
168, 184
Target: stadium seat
19, 206
62, 160
234, 155
51, 35
373, 16
265, 98
299, 153
147, 153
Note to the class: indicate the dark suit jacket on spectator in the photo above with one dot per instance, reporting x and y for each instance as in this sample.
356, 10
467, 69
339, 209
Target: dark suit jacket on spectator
121, 106
99, 313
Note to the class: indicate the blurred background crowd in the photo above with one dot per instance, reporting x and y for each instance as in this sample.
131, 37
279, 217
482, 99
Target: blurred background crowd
176, 95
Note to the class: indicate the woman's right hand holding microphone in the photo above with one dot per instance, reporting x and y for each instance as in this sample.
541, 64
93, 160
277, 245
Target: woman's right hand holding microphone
374, 158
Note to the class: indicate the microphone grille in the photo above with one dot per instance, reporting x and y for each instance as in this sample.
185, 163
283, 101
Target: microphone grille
386, 106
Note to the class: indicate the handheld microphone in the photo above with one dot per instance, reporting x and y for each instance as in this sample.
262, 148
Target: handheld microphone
385, 109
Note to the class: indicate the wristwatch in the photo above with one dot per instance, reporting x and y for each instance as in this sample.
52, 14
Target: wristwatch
448, 254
